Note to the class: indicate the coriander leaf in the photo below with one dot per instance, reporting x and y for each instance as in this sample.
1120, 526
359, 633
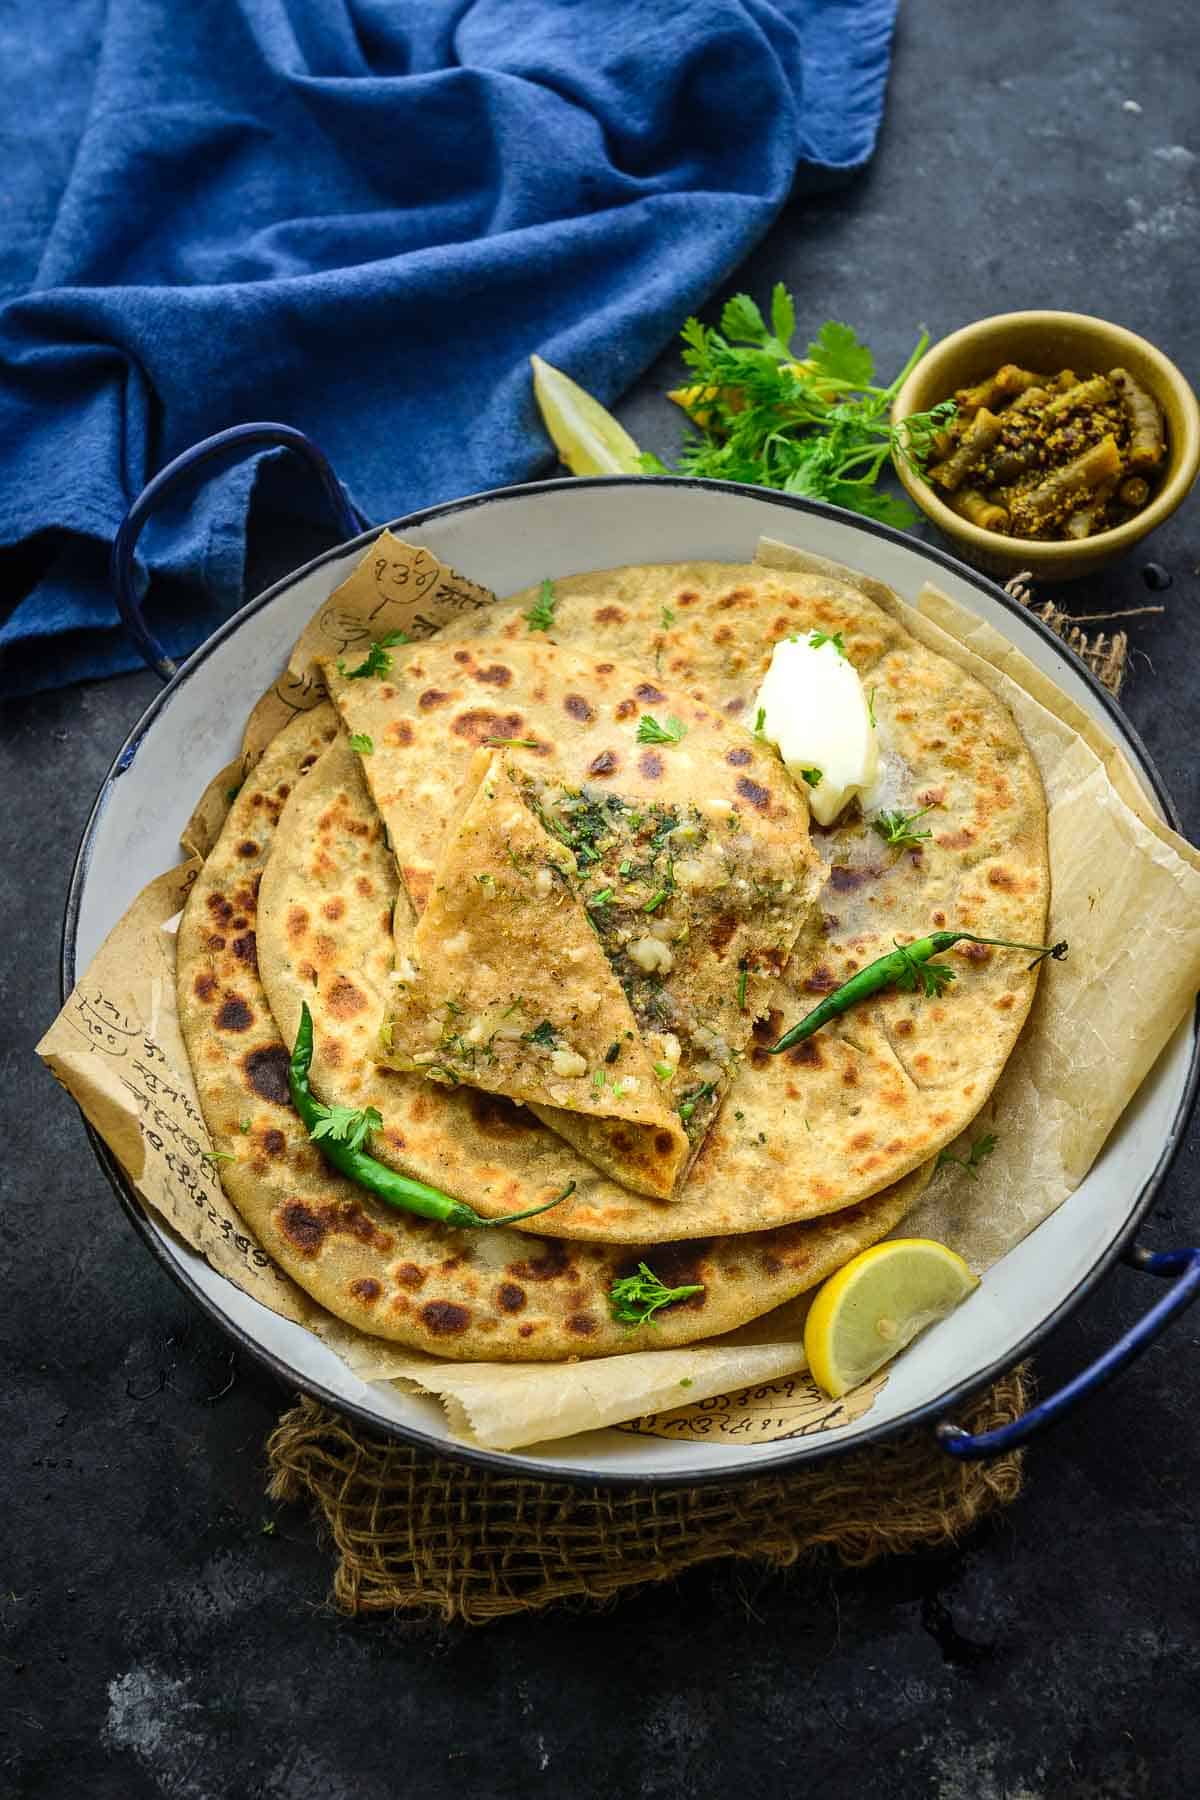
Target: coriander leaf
649, 730
694, 1096
216, 1156
656, 900
634, 1299
887, 508
741, 987
871, 707
667, 618
664, 1071
783, 315
817, 638
814, 777
543, 1034
650, 464
741, 319
933, 977
979, 1152
837, 355
362, 743
540, 616
514, 743
602, 898
377, 660
896, 828
760, 719
346, 1125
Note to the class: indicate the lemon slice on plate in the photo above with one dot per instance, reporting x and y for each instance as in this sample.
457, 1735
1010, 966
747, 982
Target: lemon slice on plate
879, 1302
586, 436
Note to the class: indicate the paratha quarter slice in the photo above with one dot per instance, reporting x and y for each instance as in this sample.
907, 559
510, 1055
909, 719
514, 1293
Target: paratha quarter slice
507, 987
494, 1295
693, 850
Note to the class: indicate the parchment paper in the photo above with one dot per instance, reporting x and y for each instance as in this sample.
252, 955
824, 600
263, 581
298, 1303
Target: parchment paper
117, 1048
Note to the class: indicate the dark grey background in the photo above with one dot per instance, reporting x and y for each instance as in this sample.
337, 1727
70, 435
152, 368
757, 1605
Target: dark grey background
155, 1643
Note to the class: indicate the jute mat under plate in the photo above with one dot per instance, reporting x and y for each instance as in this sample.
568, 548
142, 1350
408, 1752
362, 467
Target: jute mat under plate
414, 1532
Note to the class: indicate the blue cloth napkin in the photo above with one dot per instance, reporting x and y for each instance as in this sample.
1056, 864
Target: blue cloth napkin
359, 217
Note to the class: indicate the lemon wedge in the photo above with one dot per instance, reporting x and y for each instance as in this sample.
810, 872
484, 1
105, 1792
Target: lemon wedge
586, 436
879, 1302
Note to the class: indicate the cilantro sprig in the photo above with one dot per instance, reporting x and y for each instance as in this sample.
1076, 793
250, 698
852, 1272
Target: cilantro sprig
346, 1125
363, 743
933, 977
979, 1152
540, 616
817, 425
377, 661
896, 828
649, 730
634, 1299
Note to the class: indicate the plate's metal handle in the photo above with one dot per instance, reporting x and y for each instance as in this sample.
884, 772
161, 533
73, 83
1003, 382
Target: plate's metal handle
238, 438
1182, 1266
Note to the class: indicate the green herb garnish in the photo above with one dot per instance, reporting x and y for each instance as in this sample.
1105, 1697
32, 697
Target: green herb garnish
896, 828
377, 660
613, 1051
818, 426
667, 618
216, 1156
634, 1299
692, 1099
513, 743
362, 743
742, 985
760, 719
871, 707
345, 1125
649, 730
602, 898
656, 900
914, 972
979, 1152
243, 1125
814, 777
664, 1071
540, 616
817, 638
543, 1034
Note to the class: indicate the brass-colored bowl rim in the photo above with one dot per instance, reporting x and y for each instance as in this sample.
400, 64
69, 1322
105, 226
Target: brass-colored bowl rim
1183, 447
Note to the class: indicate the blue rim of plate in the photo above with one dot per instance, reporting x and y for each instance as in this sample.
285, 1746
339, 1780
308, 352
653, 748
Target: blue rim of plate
808, 1450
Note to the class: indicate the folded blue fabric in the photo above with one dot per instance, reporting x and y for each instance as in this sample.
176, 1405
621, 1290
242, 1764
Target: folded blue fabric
359, 217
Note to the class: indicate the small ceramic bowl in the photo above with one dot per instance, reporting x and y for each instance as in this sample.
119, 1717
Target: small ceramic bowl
1049, 341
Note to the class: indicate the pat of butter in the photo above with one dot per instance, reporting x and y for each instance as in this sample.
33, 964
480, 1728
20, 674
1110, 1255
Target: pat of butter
815, 711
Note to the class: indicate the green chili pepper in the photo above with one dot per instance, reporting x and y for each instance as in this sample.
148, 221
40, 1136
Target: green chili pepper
903, 965
376, 1177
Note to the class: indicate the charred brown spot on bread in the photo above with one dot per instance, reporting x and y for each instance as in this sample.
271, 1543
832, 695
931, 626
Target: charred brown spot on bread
821, 981
364, 886
510, 1297
432, 697
578, 708
297, 923
400, 733
334, 909
1006, 1002
939, 918
664, 1143
331, 1053
495, 675
444, 1318
735, 706
267, 1073
807, 1052
844, 880
904, 1028
648, 693
245, 948
549, 1266
605, 668
247, 847
606, 763
1000, 878
497, 1116
366, 1289
274, 1142
303, 1227
462, 656
753, 791
651, 765
625, 709
525, 1331
687, 597
478, 723
609, 615
721, 930
306, 762
738, 758
235, 1015
345, 1000
850, 1075
410, 1275
205, 986
680, 1264
976, 953
219, 907
862, 1140
215, 942
955, 840
582, 1325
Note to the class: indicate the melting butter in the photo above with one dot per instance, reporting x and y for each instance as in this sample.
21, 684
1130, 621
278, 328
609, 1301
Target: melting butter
812, 707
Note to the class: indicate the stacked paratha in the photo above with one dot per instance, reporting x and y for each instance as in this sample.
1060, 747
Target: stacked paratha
795, 1162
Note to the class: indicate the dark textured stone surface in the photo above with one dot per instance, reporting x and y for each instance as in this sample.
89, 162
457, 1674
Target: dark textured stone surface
154, 1643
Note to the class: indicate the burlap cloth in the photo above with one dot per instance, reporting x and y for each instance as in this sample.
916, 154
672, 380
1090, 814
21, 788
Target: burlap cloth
429, 1534
419, 1533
